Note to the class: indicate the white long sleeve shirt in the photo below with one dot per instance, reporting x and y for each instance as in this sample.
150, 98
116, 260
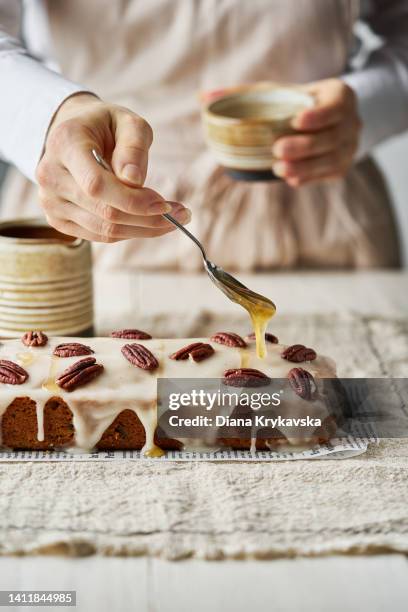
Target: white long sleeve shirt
31, 89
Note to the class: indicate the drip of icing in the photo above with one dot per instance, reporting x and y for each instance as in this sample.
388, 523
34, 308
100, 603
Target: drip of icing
148, 417
91, 419
39, 406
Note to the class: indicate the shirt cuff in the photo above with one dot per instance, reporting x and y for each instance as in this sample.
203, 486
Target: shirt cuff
31, 95
382, 103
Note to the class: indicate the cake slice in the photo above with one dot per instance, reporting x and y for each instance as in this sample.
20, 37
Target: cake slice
102, 392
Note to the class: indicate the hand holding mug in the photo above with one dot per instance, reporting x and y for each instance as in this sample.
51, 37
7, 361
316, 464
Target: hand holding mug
328, 136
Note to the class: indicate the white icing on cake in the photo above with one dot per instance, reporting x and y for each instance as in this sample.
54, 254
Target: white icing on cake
123, 386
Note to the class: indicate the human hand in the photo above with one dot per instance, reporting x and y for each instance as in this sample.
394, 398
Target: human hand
328, 136
82, 199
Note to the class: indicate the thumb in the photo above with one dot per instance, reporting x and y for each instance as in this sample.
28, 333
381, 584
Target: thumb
329, 107
133, 138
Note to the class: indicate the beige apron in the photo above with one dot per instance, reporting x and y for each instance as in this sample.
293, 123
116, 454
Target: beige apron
154, 57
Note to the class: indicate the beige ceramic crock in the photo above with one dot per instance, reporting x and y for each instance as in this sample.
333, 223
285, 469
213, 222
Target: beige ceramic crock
45, 280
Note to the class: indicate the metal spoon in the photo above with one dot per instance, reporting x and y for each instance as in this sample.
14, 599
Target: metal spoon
230, 286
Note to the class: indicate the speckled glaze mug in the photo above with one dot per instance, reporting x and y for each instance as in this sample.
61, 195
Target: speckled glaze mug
45, 280
241, 127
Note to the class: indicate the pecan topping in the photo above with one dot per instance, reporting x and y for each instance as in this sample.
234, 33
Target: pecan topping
72, 349
34, 338
245, 377
11, 373
302, 382
202, 352
79, 374
229, 339
185, 352
298, 353
268, 338
131, 334
139, 356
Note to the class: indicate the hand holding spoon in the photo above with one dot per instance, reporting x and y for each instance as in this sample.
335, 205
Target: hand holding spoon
260, 308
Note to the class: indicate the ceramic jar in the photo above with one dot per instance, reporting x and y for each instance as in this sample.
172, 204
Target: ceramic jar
45, 280
240, 128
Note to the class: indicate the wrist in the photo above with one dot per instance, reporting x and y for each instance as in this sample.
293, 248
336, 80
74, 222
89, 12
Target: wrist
72, 105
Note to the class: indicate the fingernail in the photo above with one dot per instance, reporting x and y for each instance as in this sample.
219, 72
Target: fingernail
132, 174
279, 168
296, 122
294, 183
158, 208
184, 215
277, 150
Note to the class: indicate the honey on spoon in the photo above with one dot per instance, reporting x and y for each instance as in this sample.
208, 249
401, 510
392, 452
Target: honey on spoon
260, 308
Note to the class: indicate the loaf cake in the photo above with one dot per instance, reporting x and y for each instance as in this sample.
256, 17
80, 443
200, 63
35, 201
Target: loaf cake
61, 393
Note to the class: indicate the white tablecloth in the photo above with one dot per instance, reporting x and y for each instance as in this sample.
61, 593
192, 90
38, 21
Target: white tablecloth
214, 510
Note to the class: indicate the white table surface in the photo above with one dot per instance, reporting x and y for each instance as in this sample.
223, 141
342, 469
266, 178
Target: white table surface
331, 584
374, 583
122, 296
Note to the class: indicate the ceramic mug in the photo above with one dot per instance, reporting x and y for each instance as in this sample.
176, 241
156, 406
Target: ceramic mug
45, 280
241, 127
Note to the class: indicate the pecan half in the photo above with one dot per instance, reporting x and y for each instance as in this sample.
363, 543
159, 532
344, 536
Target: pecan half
302, 382
202, 352
184, 352
131, 334
268, 338
11, 373
34, 338
79, 374
298, 353
72, 349
245, 377
229, 339
139, 356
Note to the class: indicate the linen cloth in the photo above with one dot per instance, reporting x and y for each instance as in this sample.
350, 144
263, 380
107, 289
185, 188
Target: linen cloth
219, 510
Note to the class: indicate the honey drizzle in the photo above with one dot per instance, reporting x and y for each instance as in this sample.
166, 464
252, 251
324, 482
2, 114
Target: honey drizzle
260, 312
26, 358
148, 417
260, 319
244, 358
49, 384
